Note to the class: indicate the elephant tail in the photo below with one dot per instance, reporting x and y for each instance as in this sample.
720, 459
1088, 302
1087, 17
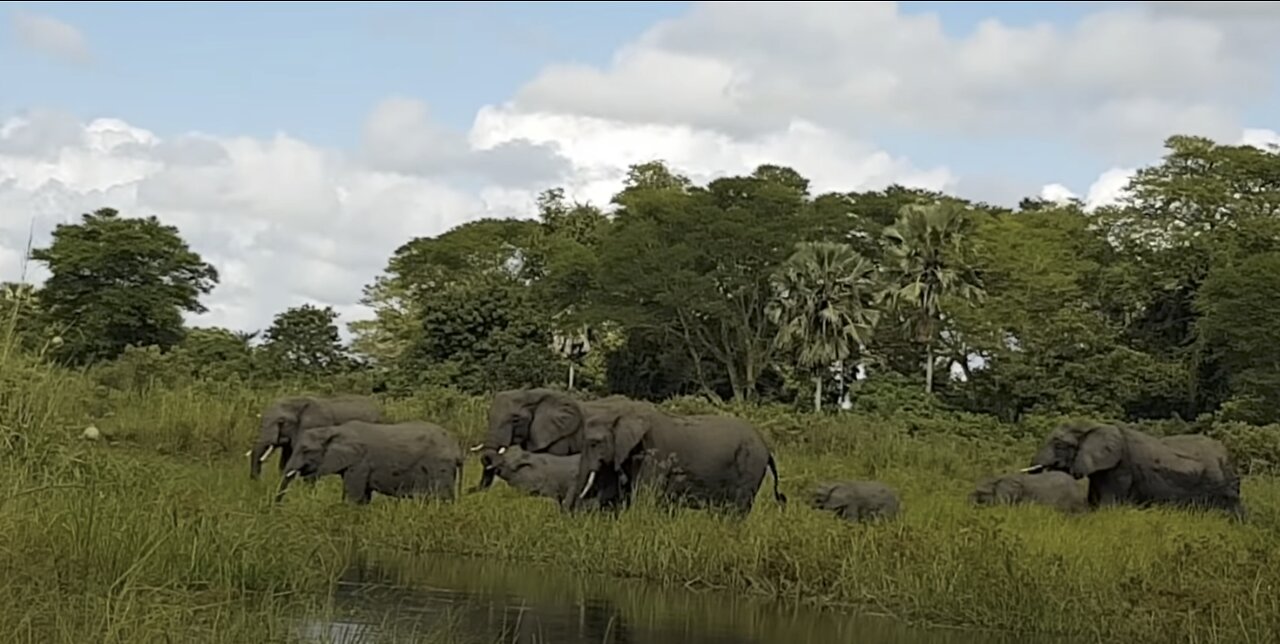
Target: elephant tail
777, 494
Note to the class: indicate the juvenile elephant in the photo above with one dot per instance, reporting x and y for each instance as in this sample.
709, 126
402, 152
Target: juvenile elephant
538, 474
1054, 489
537, 420
1127, 466
404, 459
697, 461
284, 419
856, 500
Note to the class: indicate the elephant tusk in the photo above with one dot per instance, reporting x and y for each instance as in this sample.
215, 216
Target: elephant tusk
501, 450
1032, 470
290, 474
478, 447
591, 478
248, 454
263, 458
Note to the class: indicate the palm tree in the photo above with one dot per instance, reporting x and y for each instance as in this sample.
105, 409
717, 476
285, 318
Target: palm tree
927, 261
822, 306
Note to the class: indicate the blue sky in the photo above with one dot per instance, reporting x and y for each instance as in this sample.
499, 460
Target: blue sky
997, 101
257, 68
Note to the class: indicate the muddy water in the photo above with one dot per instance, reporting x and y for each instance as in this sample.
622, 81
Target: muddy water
483, 601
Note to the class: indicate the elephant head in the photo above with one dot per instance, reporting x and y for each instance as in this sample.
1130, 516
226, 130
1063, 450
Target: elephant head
319, 452
996, 490
538, 420
610, 441
279, 426
1080, 449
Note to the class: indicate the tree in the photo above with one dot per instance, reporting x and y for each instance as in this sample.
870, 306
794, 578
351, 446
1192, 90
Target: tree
1238, 334
928, 262
116, 282
823, 306
694, 263
304, 341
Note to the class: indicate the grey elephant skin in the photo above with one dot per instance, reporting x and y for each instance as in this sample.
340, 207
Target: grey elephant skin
1055, 489
407, 459
285, 419
856, 501
538, 420
539, 474
694, 460
1127, 466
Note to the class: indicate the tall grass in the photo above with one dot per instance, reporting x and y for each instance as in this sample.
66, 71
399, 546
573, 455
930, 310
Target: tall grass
157, 534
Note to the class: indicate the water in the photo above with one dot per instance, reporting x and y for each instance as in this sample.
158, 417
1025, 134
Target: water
492, 601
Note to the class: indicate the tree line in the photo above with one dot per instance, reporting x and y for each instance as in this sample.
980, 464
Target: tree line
753, 288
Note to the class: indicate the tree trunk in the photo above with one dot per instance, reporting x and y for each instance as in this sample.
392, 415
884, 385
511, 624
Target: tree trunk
817, 394
571, 376
928, 368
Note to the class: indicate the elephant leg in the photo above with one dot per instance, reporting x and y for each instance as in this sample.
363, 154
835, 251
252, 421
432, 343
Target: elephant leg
355, 485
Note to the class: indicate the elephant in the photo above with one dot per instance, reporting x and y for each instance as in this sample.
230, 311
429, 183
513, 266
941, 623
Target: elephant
538, 473
1054, 489
284, 419
694, 460
1127, 466
408, 459
856, 500
537, 420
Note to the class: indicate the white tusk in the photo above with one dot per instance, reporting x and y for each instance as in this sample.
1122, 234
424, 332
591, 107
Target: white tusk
591, 478
248, 454
290, 474
501, 450
265, 454
1032, 470
478, 447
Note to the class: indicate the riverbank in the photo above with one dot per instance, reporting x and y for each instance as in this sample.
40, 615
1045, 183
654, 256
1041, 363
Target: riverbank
116, 543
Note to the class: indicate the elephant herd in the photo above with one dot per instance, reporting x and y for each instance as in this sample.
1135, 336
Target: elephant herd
596, 454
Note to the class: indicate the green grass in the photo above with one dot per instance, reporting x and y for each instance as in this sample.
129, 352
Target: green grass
159, 535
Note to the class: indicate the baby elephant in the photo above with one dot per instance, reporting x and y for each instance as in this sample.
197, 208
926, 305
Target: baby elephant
537, 473
1055, 489
856, 500
403, 459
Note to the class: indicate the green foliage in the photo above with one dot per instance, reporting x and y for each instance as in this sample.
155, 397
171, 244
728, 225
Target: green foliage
304, 341
116, 282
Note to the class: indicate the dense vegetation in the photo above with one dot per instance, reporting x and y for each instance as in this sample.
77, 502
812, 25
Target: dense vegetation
950, 334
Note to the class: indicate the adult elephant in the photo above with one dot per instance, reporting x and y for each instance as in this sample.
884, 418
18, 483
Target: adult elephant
286, 418
538, 420
1127, 466
408, 459
696, 460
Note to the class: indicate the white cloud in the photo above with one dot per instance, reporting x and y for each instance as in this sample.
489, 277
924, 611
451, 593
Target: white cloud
286, 222
1057, 193
50, 37
600, 151
1119, 79
1260, 138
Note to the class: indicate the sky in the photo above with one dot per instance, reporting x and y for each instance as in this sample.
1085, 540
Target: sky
297, 146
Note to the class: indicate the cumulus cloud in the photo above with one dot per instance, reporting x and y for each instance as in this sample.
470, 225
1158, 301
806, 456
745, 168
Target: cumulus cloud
287, 222
400, 137
284, 221
51, 37
1119, 78
600, 150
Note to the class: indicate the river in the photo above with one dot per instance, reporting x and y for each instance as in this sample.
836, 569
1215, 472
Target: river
487, 601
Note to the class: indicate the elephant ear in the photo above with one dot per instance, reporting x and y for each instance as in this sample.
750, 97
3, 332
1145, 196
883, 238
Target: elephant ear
628, 432
314, 413
556, 417
339, 453
1099, 450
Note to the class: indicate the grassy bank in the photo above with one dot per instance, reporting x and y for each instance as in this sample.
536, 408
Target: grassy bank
159, 535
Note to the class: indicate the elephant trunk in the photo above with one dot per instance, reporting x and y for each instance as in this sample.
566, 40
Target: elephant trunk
257, 457
284, 484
